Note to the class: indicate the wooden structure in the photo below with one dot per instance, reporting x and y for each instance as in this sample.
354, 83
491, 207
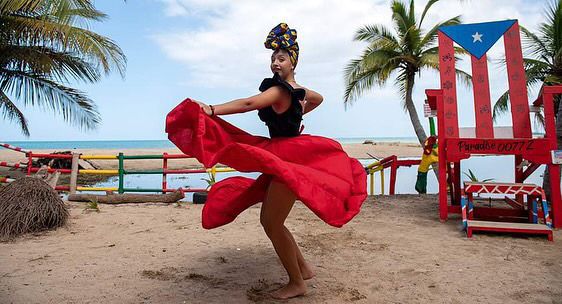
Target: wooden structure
126, 198
510, 220
455, 145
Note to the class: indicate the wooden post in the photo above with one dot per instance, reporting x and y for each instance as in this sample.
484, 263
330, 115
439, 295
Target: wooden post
372, 183
121, 174
74, 172
382, 181
164, 168
457, 184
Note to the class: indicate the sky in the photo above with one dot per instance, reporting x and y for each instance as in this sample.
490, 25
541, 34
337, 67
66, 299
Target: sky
213, 51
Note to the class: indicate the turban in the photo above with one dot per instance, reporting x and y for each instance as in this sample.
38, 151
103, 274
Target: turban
282, 37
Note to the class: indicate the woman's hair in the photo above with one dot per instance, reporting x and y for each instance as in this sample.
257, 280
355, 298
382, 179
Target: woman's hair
282, 37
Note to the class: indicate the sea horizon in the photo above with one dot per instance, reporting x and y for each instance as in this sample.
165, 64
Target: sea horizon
162, 143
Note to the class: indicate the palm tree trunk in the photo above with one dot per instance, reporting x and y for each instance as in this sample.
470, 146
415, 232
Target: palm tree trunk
411, 108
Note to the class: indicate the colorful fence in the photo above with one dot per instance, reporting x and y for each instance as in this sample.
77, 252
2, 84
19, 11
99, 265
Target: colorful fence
120, 172
391, 162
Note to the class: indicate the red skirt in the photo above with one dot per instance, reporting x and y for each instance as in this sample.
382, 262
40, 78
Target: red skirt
316, 169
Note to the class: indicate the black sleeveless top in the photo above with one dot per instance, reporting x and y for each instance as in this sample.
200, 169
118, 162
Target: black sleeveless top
288, 123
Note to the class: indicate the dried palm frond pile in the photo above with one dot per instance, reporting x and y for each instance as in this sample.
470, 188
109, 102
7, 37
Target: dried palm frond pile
27, 205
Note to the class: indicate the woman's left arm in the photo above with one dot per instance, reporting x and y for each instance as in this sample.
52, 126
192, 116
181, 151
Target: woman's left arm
311, 100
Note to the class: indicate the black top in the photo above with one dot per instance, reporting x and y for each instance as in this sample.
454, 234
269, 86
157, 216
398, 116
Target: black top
287, 123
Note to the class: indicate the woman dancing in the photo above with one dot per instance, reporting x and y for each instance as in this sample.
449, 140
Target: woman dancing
314, 169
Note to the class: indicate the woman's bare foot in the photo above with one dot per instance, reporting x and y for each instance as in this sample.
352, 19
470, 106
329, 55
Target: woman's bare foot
291, 290
306, 272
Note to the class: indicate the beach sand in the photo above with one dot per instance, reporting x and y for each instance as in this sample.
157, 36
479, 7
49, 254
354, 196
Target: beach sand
394, 251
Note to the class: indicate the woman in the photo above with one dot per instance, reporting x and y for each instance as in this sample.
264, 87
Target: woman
313, 169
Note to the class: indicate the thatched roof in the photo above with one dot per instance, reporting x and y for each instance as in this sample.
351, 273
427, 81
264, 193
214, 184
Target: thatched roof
28, 205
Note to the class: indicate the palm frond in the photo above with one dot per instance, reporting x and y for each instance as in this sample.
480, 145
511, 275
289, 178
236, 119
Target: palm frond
464, 78
534, 45
104, 53
11, 112
427, 6
377, 36
431, 37
74, 106
373, 68
400, 17
41, 60
502, 105
401, 82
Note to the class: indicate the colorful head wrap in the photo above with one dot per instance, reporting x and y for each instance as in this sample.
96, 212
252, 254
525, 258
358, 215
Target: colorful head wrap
282, 37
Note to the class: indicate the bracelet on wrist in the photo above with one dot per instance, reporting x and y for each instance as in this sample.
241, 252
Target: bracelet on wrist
212, 110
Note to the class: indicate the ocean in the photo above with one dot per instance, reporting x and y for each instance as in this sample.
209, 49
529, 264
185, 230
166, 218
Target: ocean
145, 144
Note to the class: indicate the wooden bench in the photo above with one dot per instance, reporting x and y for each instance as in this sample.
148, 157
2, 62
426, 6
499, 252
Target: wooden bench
533, 193
473, 225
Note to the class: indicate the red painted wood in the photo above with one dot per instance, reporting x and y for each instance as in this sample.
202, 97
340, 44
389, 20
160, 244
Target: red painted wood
449, 86
185, 171
530, 170
67, 156
63, 171
393, 169
457, 184
525, 231
408, 162
437, 96
513, 203
536, 150
517, 83
481, 90
548, 99
480, 212
164, 168
555, 196
186, 190
518, 175
168, 156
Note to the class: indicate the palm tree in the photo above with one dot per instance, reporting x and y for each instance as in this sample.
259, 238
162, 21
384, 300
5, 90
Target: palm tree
45, 44
543, 67
404, 55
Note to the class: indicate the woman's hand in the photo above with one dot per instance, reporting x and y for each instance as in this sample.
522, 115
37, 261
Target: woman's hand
206, 109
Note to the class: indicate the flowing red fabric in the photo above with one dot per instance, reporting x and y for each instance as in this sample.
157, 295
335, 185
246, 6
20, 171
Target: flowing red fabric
315, 168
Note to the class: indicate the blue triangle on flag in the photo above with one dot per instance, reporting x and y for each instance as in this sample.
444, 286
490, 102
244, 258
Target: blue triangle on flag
477, 38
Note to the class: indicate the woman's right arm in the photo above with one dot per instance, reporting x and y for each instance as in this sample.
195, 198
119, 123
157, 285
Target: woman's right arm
262, 100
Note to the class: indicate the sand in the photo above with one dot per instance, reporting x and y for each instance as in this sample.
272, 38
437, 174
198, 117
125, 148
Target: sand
394, 251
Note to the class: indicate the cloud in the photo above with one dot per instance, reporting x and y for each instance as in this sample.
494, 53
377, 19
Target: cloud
224, 48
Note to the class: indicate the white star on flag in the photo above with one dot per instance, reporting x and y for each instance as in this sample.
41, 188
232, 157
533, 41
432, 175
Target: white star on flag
477, 37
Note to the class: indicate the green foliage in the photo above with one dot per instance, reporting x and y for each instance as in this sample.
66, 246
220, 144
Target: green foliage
211, 180
401, 53
472, 177
543, 50
45, 44
93, 205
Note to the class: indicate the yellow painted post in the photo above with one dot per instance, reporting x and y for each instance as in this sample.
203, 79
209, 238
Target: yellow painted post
214, 172
382, 181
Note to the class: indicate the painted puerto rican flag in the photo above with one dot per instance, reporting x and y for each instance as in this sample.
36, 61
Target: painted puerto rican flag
477, 38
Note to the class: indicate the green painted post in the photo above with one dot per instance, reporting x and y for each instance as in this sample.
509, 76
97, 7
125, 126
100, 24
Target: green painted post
121, 174
431, 127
